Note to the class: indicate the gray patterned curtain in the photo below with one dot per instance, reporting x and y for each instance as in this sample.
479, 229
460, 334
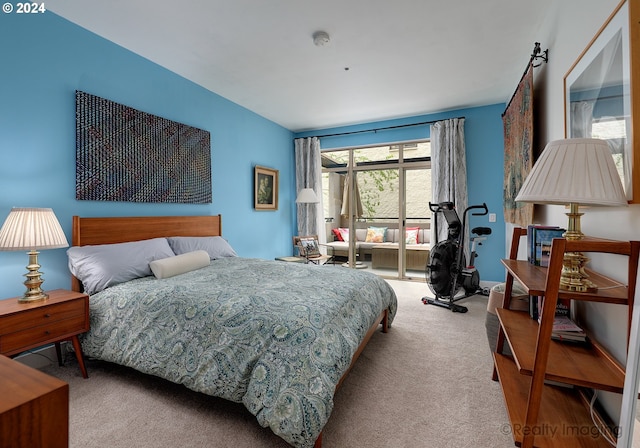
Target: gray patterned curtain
448, 170
309, 175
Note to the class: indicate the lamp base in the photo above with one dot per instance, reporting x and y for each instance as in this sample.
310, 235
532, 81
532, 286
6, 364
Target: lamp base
573, 277
34, 280
27, 298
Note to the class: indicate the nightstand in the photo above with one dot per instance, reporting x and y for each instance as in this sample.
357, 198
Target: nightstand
292, 259
34, 410
63, 316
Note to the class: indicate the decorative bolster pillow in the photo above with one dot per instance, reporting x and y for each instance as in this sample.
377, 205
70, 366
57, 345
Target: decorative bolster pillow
190, 261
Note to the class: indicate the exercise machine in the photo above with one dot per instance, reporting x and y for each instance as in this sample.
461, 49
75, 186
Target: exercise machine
448, 275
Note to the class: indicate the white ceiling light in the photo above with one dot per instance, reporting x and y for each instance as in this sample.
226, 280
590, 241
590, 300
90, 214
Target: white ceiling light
320, 38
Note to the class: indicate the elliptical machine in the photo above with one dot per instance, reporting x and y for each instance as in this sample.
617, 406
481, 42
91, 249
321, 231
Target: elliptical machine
447, 271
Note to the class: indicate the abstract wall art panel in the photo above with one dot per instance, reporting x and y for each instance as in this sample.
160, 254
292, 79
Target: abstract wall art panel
123, 154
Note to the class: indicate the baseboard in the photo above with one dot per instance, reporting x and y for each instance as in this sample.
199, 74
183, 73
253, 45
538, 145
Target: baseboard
40, 357
488, 284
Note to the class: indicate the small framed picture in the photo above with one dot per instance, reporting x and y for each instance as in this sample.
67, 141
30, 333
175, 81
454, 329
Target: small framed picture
265, 196
309, 246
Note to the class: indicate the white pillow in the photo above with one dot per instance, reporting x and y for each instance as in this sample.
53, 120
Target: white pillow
103, 265
411, 236
168, 267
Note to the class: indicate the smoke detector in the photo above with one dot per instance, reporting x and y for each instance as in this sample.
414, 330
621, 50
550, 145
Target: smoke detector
320, 38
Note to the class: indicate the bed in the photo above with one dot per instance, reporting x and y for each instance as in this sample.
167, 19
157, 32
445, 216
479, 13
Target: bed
278, 337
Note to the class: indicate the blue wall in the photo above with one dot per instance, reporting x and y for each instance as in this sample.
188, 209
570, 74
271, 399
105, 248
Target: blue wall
45, 59
485, 160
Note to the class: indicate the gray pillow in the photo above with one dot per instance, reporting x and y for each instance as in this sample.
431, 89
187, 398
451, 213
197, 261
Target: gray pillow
216, 246
101, 266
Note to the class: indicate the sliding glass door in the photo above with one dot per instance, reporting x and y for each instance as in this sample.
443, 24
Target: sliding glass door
417, 219
379, 196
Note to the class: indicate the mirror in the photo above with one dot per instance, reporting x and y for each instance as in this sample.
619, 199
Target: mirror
599, 103
628, 429
598, 99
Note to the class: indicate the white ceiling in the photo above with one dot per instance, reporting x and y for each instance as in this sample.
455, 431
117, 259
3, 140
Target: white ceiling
404, 57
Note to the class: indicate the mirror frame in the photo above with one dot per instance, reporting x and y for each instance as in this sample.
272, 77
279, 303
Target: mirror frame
631, 379
630, 8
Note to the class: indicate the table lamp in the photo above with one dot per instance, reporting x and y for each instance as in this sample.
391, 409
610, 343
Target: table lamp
574, 172
307, 196
32, 229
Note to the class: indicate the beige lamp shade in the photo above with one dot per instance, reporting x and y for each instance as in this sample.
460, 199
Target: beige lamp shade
574, 172
307, 196
32, 228
579, 171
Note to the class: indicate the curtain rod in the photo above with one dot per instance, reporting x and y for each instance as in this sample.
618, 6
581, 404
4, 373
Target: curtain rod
534, 56
381, 129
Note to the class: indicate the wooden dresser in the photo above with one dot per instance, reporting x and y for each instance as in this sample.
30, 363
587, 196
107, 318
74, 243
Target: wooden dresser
34, 409
63, 316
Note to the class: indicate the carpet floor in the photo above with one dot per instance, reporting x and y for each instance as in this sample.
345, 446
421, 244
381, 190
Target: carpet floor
426, 383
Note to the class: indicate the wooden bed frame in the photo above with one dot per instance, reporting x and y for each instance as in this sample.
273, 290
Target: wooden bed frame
109, 230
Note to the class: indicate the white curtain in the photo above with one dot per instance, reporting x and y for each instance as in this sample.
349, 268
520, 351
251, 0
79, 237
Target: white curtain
309, 175
581, 118
448, 171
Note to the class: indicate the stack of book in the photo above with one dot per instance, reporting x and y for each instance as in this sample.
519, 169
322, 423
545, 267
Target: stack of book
563, 307
539, 239
566, 330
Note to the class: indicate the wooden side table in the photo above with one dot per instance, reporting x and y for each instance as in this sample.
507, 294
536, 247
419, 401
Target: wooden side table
34, 409
63, 316
292, 259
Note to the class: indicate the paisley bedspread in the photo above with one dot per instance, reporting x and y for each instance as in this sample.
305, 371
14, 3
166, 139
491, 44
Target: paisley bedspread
275, 336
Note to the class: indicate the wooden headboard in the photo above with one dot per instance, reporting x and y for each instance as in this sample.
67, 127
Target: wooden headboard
109, 230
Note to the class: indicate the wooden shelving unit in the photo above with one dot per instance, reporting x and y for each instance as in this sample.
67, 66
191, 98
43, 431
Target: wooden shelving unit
534, 278
587, 366
544, 415
562, 412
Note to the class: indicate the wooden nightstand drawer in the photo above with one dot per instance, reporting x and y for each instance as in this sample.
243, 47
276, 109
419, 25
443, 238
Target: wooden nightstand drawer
62, 316
41, 316
19, 341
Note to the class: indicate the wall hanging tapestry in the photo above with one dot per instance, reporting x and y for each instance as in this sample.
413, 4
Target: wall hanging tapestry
123, 154
517, 120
